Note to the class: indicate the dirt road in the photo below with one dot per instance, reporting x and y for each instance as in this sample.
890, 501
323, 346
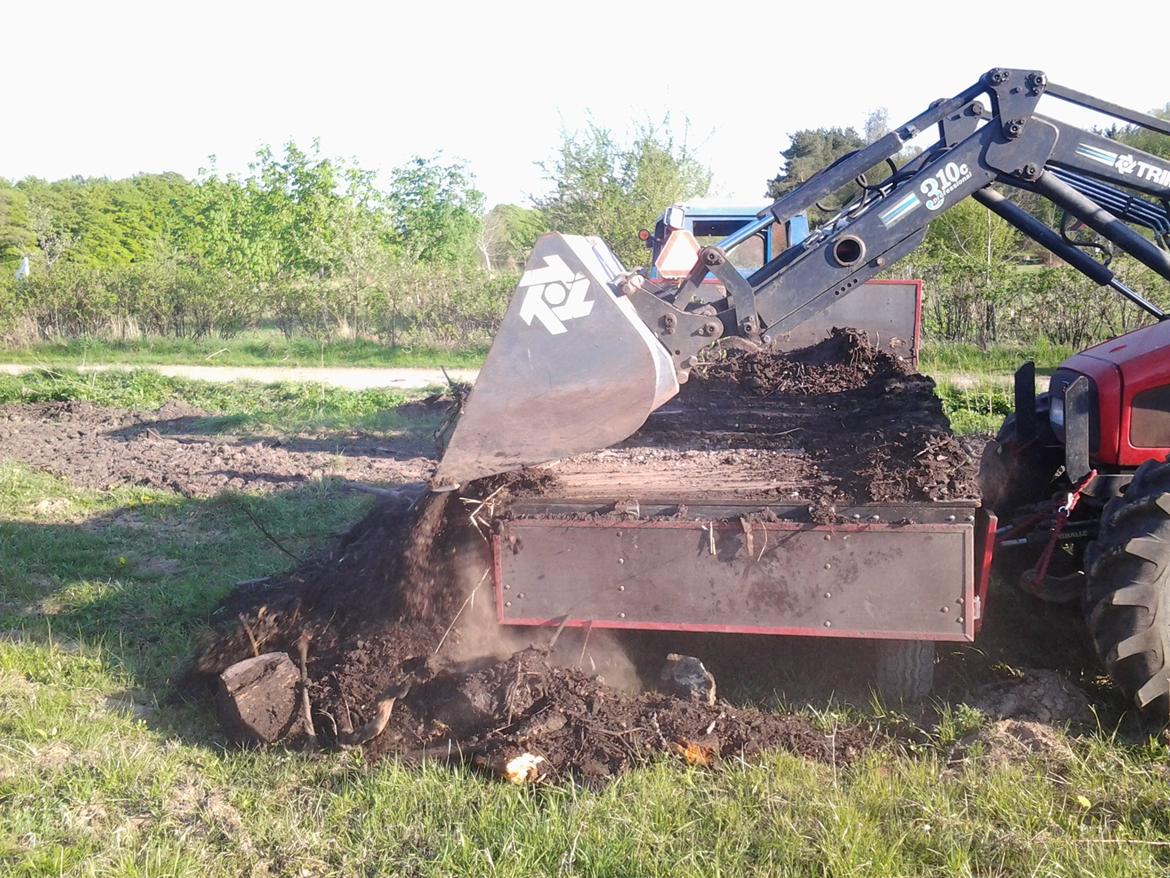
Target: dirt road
346, 377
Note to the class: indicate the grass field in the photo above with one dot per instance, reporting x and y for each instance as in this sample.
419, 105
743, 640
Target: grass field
106, 768
975, 384
236, 406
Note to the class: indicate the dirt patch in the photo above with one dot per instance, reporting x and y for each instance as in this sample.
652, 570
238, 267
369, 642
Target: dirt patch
97, 447
1007, 741
837, 423
1036, 695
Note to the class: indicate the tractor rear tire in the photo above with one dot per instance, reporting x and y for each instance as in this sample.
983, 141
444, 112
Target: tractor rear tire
1127, 597
904, 670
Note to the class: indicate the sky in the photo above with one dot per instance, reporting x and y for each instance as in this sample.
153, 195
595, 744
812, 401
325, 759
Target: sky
117, 88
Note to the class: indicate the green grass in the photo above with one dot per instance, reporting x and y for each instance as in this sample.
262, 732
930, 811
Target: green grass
1002, 359
269, 347
979, 408
262, 347
238, 406
105, 770
103, 773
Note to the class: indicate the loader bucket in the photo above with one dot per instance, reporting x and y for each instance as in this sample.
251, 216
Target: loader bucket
571, 369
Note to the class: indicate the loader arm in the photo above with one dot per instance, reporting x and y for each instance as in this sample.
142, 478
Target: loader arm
587, 350
1100, 182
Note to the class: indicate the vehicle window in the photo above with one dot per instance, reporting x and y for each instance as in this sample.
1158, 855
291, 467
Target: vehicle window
750, 254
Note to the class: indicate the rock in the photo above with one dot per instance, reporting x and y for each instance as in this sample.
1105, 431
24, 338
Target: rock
257, 698
685, 677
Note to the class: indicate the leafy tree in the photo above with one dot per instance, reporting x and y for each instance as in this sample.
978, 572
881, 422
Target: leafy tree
16, 234
509, 232
100, 222
435, 211
811, 150
603, 187
296, 215
972, 255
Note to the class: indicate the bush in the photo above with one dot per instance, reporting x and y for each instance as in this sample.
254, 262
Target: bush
401, 305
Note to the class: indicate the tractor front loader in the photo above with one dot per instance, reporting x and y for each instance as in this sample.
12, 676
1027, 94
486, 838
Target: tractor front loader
590, 353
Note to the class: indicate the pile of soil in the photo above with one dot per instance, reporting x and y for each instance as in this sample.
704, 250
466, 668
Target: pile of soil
383, 621
395, 621
168, 449
834, 424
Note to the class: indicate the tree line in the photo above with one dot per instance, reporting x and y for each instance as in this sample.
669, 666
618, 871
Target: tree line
320, 246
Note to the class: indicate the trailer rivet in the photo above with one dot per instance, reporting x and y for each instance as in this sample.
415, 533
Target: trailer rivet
828, 624
520, 596
621, 588
621, 560
950, 518
857, 516
828, 537
875, 518
970, 518
960, 620
621, 615
507, 603
828, 566
945, 610
828, 594
507, 587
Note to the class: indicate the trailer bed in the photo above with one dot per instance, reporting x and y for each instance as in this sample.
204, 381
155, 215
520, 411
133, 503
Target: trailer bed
786, 429
819, 493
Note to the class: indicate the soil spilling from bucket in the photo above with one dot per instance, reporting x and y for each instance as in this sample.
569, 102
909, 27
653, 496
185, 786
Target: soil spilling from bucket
379, 619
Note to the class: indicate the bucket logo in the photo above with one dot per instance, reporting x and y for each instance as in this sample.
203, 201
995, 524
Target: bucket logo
553, 294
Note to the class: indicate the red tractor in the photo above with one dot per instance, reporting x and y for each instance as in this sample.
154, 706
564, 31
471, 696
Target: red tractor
1080, 480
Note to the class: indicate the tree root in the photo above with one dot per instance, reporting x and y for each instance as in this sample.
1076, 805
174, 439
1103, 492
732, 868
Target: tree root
347, 738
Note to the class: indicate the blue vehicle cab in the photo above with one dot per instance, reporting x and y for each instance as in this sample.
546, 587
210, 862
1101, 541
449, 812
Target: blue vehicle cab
711, 222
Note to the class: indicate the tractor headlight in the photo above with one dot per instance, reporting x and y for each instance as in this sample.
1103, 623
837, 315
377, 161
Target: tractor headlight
1056, 413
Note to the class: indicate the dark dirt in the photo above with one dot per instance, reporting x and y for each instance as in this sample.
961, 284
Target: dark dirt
376, 610
387, 612
97, 447
837, 423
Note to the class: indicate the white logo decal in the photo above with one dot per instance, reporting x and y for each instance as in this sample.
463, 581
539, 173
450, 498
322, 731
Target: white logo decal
904, 207
1126, 164
553, 294
937, 188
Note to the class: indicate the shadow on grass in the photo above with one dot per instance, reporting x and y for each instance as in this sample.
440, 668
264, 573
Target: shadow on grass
138, 583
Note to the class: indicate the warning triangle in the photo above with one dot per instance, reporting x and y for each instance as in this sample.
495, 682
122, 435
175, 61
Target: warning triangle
677, 256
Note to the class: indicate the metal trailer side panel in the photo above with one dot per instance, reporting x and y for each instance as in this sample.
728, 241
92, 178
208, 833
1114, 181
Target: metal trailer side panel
908, 582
